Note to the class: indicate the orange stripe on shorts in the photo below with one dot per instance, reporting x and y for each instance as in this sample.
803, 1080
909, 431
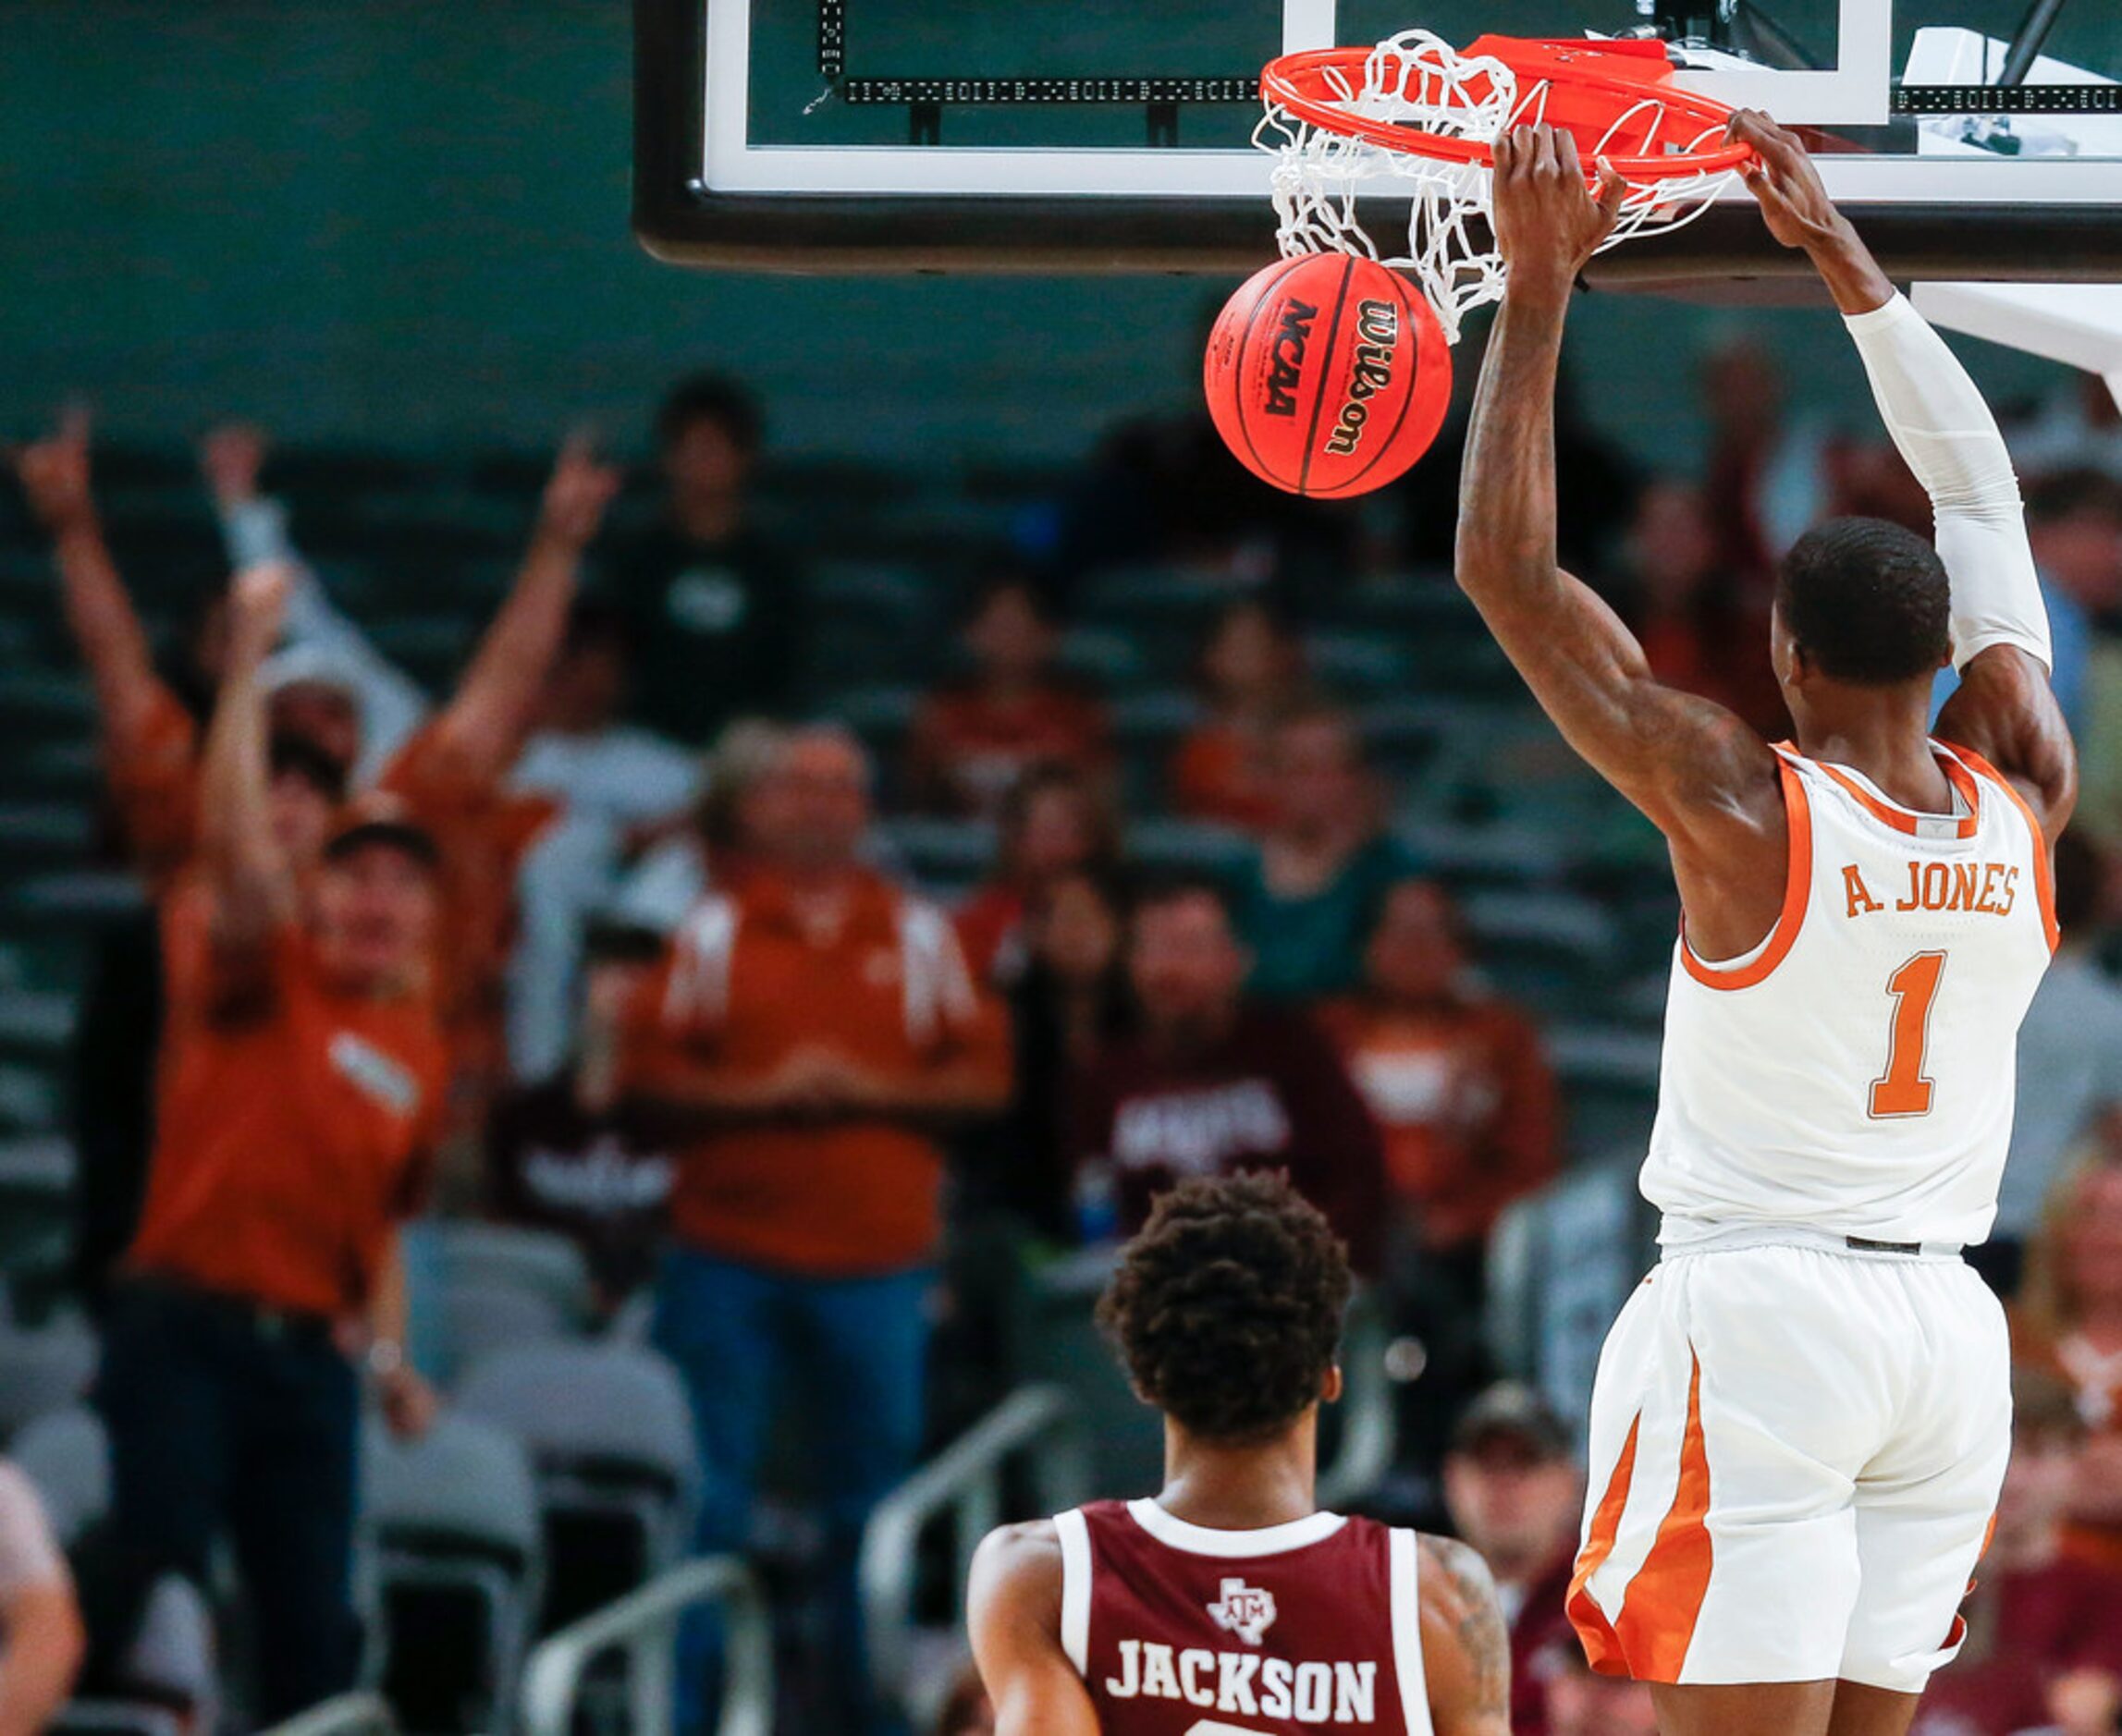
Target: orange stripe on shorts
1602, 1645
1664, 1599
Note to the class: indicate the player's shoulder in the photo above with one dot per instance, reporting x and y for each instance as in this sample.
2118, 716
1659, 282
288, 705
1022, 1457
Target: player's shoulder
1466, 1642
1454, 1579
1019, 1567
1457, 1595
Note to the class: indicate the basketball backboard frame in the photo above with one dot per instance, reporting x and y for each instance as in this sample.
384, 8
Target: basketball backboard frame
705, 194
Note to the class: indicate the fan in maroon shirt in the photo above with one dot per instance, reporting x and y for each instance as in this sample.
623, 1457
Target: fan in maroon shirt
2045, 1628
1215, 1084
1230, 1604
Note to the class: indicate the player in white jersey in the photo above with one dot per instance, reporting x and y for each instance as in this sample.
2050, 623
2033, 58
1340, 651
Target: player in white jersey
1801, 1419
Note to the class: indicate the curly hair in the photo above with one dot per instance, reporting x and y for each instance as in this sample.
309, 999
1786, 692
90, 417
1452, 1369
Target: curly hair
1226, 1308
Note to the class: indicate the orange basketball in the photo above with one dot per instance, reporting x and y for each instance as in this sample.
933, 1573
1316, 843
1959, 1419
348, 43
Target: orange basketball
1327, 375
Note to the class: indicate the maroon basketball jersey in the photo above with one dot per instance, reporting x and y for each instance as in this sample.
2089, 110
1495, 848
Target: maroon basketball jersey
1180, 1631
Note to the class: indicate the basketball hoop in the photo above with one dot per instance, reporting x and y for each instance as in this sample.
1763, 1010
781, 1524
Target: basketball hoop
1415, 115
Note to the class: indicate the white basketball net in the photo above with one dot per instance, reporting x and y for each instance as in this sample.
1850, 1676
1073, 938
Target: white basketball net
1416, 80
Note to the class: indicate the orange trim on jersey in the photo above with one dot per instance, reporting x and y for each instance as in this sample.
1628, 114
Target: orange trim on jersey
1901, 819
2043, 857
1796, 893
1664, 1599
1602, 1645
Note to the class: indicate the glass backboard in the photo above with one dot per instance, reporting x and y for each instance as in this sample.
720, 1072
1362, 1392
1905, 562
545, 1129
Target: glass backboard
1972, 138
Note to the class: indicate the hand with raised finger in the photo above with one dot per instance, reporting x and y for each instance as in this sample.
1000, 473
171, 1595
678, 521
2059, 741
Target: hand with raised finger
54, 473
580, 487
230, 457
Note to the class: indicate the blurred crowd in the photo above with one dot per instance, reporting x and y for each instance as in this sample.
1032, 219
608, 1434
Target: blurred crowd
606, 940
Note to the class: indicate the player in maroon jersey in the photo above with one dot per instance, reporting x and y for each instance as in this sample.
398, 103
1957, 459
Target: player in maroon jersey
1231, 1606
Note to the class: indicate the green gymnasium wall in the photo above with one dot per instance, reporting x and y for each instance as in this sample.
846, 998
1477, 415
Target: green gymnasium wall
385, 222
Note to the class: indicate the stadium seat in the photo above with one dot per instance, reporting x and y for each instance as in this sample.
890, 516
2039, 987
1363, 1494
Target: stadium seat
1163, 846
168, 1681
36, 1192
452, 1564
1609, 1078
1357, 665
1560, 1264
610, 1435
481, 1317
44, 1368
66, 1454
540, 1262
938, 852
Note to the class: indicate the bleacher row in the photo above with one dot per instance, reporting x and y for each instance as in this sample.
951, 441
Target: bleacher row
1560, 882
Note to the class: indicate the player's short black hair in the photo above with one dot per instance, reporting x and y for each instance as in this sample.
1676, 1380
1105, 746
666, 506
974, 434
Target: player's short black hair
1867, 601
715, 397
1227, 1307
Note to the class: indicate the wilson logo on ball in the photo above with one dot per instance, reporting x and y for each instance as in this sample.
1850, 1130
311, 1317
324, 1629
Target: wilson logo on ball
1378, 330
1328, 374
1287, 370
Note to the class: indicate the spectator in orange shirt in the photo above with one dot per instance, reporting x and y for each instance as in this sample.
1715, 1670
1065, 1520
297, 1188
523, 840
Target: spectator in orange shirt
1462, 1093
974, 739
1250, 675
1456, 1078
812, 1033
301, 1089
449, 773
449, 769
1054, 823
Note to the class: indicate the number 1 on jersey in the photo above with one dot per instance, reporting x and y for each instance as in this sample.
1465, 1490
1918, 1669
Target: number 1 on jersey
1902, 1090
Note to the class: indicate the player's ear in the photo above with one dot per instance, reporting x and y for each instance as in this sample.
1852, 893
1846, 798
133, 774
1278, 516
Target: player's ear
1329, 1388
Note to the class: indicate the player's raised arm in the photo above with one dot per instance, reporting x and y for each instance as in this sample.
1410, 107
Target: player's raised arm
1698, 773
2004, 709
1014, 1614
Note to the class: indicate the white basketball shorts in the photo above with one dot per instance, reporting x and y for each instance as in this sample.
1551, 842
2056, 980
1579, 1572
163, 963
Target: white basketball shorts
1795, 1451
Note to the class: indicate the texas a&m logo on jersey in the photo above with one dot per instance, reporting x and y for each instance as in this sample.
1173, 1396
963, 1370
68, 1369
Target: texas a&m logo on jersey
1245, 1610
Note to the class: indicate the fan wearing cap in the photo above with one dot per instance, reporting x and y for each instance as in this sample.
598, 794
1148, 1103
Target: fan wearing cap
1514, 1492
301, 1083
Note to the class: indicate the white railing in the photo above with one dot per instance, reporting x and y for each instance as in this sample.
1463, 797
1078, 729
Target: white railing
643, 1624
365, 1713
965, 1481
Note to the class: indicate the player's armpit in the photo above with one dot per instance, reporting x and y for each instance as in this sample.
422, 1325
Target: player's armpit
2005, 711
1466, 1645
1013, 1610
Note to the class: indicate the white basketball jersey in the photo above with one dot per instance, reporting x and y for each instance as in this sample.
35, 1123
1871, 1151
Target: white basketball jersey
1855, 1072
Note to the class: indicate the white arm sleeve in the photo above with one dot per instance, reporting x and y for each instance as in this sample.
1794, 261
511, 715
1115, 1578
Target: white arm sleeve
1945, 431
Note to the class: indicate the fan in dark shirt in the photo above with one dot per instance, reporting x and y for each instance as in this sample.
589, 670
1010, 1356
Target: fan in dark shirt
711, 604
570, 1153
1215, 1084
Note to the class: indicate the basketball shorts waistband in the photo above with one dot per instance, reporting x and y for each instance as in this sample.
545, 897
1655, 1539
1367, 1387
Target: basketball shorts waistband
1679, 1237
